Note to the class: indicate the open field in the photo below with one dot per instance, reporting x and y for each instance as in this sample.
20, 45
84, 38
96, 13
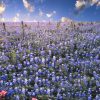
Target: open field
50, 61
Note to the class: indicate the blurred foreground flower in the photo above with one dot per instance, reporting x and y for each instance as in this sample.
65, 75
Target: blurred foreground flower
3, 94
34, 99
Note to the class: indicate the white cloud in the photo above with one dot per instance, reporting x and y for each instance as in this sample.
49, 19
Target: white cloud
81, 4
28, 6
64, 19
16, 18
94, 2
49, 15
2, 8
98, 4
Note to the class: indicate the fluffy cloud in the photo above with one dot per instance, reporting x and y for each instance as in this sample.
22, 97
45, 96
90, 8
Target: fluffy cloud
16, 18
28, 6
64, 19
49, 15
98, 4
93, 2
81, 4
2, 8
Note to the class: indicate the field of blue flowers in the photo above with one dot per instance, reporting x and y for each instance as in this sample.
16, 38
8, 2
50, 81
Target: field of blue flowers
59, 61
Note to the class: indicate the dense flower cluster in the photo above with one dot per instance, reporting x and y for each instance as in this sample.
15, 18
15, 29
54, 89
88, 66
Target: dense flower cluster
65, 68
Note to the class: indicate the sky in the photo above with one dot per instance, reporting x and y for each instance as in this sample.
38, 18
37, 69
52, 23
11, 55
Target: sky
49, 10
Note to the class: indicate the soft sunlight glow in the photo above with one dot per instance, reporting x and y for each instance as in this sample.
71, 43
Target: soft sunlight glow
2, 8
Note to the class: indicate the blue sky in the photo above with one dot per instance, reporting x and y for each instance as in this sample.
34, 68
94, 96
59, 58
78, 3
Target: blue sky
45, 10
